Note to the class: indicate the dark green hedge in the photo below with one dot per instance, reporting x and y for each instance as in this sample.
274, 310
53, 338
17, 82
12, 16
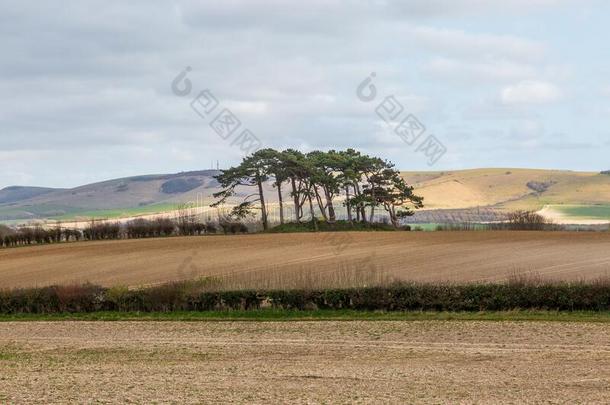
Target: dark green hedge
398, 297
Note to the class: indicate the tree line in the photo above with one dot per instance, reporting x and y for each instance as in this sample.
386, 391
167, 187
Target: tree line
183, 225
316, 180
36, 235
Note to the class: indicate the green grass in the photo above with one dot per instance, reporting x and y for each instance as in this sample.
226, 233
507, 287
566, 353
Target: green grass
433, 226
72, 213
119, 212
341, 225
39, 210
584, 211
319, 315
425, 227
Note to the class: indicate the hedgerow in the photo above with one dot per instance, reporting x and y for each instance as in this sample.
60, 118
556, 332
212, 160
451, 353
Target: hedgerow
576, 296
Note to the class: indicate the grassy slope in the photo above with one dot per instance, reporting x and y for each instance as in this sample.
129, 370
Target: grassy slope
593, 212
507, 189
112, 198
121, 212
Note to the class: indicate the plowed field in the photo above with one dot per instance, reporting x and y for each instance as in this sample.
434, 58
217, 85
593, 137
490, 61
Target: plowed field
419, 256
304, 362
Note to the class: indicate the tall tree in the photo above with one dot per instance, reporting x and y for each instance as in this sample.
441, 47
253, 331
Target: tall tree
389, 190
323, 169
252, 172
349, 177
276, 167
364, 168
296, 169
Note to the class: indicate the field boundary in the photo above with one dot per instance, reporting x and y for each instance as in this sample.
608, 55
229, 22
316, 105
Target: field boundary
395, 297
273, 315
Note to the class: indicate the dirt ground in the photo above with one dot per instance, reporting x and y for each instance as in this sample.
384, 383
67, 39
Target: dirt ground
305, 362
420, 256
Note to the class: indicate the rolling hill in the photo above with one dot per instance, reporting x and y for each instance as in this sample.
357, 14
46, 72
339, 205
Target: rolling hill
118, 197
450, 196
565, 196
17, 193
510, 188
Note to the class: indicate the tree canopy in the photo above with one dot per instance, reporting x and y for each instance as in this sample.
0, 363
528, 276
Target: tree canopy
319, 180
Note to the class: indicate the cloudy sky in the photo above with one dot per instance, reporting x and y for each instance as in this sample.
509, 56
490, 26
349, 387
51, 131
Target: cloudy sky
86, 86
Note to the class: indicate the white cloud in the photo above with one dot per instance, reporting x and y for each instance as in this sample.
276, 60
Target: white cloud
288, 70
531, 92
427, 8
467, 71
482, 46
247, 107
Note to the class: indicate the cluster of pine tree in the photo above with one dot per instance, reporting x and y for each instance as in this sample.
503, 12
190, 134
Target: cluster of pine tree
316, 179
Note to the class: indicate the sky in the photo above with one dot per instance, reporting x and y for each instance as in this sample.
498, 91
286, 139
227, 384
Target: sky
91, 90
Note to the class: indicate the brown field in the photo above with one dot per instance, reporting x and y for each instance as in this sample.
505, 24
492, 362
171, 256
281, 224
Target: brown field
420, 256
305, 362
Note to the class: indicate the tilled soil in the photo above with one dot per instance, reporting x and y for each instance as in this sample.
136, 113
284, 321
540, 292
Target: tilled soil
416, 256
305, 362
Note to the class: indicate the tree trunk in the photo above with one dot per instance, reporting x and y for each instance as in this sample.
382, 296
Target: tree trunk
301, 205
320, 204
360, 208
295, 198
393, 218
261, 196
372, 219
331, 209
279, 196
347, 205
313, 217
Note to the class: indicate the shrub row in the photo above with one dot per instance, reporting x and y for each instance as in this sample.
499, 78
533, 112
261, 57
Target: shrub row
36, 235
397, 297
135, 229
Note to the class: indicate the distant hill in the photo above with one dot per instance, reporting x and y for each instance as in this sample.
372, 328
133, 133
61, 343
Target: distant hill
129, 195
477, 194
450, 196
509, 188
18, 193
